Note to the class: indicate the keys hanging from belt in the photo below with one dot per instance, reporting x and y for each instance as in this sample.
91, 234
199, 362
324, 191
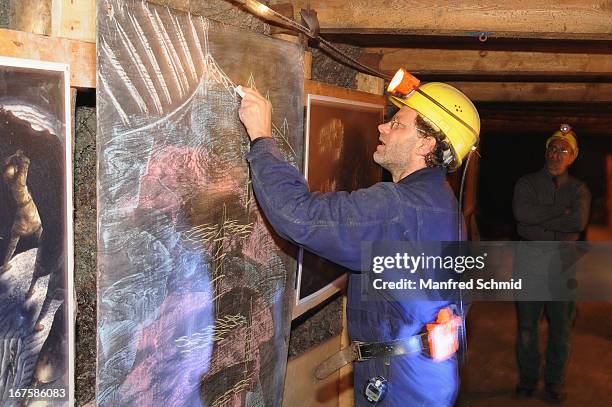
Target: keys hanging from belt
440, 342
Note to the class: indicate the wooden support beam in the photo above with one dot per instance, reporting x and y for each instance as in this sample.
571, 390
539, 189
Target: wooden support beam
320, 88
492, 92
58, 18
479, 63
609, 188
184, 5
370, 84
499, 119
564, 19
535, 91
81, 56
74, 19
301, 386
225, 11
31, 16
346, 396
541, 125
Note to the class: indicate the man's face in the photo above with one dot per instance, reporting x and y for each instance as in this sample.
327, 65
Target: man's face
559, 156
398, 139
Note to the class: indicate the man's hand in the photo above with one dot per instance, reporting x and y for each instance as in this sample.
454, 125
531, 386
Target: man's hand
256, 114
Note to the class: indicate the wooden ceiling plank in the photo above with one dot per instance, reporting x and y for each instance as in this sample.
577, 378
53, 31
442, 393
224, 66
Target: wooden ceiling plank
563, 19
475, 62
536, 91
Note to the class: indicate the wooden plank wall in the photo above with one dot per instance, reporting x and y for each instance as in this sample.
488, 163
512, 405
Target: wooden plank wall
81, 56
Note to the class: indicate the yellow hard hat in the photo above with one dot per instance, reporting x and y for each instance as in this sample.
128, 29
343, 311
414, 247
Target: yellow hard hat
460, 121
565, 133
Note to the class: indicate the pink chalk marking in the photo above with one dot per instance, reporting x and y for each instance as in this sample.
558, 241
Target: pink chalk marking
157, 341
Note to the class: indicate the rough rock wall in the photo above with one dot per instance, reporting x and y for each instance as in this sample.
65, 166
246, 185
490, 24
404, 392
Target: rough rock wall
223, 11
328, 70
4, 13
85, 252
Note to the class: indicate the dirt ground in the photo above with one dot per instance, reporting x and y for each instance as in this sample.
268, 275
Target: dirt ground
490, 374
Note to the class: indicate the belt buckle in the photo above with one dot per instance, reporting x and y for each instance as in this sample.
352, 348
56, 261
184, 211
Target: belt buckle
424, 338
361, 351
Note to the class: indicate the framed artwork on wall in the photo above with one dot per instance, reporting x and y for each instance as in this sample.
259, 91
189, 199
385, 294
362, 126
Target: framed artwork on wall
341, 137
36, 234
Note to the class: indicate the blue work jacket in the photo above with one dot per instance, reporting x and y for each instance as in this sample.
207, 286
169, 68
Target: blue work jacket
420, 207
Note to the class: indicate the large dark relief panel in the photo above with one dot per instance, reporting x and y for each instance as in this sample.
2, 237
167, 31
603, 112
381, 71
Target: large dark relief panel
194, 290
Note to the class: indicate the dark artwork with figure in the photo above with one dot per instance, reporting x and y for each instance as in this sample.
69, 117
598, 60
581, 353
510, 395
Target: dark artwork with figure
342, 136
194, 290
35, 234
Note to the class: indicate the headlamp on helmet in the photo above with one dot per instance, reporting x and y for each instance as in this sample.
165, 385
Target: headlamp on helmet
566, 133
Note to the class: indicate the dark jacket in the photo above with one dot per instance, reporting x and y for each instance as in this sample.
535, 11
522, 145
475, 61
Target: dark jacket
550, 208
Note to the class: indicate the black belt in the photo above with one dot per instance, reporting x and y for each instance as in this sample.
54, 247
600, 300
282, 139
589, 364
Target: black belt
360, 351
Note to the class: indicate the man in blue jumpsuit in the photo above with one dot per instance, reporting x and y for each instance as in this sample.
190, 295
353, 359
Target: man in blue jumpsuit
429, 134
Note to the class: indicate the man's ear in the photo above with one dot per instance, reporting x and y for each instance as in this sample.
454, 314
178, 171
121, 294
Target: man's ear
426, 145
574, 155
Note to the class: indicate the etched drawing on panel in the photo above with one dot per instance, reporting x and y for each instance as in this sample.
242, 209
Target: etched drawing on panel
194, 290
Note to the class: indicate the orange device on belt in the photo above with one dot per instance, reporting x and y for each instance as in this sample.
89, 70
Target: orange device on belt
443, 335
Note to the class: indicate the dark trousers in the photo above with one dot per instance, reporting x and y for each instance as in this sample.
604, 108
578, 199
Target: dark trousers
560, 317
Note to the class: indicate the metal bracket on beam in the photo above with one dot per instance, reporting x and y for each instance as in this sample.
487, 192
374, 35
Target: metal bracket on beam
310, 20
